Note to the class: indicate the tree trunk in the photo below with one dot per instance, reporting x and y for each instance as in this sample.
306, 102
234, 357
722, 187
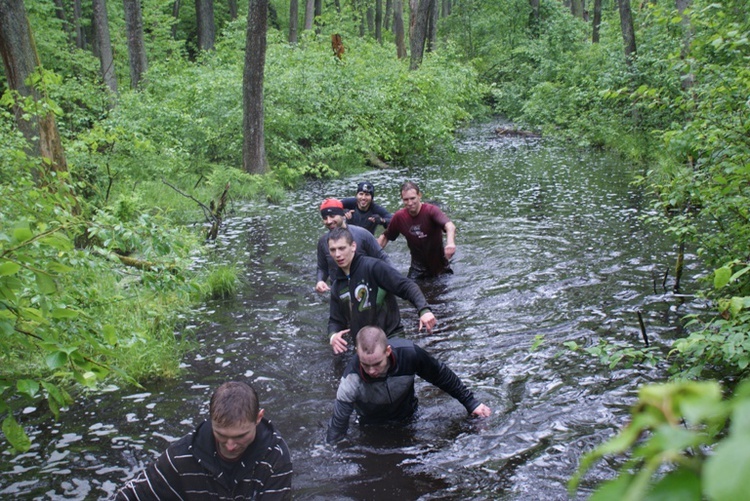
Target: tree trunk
253, 146
204, 14
413, 7
419, 33
388, 16
628, 32
309, 13
688, 79
432, 26
136, 45
80, 38
21, 60
597, 21
318, 8
176, 16
379, 20
446, 8
293, 20
370, 16
104, 43
398, 28
576, 8
534, 18
233, 10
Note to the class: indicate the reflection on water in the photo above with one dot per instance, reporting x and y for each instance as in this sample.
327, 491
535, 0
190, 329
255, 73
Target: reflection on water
550, 250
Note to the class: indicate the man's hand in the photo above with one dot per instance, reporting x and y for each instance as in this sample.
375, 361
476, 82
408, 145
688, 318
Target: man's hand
338, 342
322, 287
428, 321
376, 219
450, 250
481, 411
349, 213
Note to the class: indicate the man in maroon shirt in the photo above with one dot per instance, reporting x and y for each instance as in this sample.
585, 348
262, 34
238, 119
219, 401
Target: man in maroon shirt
423, 225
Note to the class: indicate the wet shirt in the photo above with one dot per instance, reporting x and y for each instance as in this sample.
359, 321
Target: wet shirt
424, 236
362, 218
367, 245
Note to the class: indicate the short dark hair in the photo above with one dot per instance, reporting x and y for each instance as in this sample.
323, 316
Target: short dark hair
409, 185
370, 337
339, 233
233, 403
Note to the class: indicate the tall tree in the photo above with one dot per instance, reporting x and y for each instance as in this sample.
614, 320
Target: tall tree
398, 28
253, 144
176, 16
136, 45
204, 14
419, 34
534, 18
597, 21
293, 20
379, 20
628, 31
309, 14
79, 35
21, 61
432, 22
576, 8
104, 44
233, 10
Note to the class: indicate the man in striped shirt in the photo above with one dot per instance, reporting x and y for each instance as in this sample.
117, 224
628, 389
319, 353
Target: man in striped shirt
236, 454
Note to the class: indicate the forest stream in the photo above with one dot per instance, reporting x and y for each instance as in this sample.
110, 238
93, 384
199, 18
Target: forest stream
551, 250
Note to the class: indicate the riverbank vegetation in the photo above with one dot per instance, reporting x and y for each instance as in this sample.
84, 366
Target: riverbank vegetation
96, 240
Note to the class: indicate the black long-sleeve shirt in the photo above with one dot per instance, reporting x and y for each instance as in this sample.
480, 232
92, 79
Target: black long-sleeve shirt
392, 397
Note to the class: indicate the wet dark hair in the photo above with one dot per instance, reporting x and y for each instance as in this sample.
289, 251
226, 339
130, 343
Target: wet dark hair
410, 185
234, 403
339, 233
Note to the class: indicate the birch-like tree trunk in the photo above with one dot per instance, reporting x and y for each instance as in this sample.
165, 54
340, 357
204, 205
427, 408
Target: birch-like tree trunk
398, 28
293, 20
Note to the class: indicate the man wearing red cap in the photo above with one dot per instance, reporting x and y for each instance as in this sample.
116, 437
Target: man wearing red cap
362, 211
422, 225
332, 212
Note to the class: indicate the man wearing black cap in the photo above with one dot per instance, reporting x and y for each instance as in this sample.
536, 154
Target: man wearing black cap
363, 212
332, 212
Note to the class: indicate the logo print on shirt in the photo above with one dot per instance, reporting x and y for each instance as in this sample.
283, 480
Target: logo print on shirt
362, 296
416, 230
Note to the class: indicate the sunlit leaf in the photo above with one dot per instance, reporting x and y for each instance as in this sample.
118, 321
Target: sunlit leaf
16, 435
21, 234
9, 268
63, 313
28, 387
56, 359
110, 334
680, 485
722, 276
58, 241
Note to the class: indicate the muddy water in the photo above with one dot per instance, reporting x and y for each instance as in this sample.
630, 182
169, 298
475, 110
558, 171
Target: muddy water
550, 250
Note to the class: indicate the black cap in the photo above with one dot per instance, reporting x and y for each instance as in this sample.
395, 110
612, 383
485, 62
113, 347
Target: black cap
367, 187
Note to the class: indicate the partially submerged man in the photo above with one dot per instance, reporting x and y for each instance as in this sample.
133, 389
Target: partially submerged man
423, 225
236, 454
363, 211
378, 383
363, 292
332, 212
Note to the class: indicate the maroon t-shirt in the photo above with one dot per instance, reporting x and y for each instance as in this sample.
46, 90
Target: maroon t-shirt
424, 235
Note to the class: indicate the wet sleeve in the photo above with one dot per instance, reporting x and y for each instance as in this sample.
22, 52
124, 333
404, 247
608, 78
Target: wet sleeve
322, 274
373, 249
380, 211
391, 231
339, 424
160, 480
394, 282
437, 373
336, 319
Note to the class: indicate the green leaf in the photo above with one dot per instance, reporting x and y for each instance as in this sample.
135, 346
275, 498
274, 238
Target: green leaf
725, 473
9, 268
56, 359
45, 283
16, 435
680, 485
613, 489
22, 233
28, 387
59, 267
58, 241
63, 313
722, 276
110, 334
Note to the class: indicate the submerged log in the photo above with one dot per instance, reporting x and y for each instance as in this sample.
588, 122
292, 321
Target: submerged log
373, 160
216, 213
514, 132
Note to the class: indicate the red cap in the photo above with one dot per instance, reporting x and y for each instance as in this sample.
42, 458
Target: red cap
331, 207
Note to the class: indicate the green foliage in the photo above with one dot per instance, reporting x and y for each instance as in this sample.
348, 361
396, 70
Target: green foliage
222, 282
672, 427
